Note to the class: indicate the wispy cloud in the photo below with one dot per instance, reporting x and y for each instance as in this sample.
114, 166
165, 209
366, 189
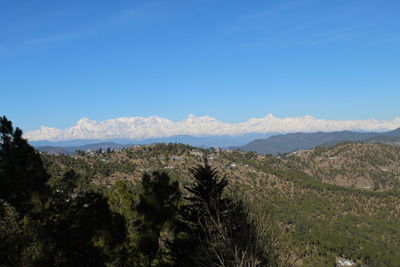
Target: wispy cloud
300, 35
275, 10
125, 17
392, 39
148, 11
120, 18
54, 38
335, 24
41, 41
2, 51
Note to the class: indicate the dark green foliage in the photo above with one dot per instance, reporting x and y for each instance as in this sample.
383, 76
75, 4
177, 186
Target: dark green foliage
157, 210
69, 183
22, 175
207, 188
226, 232
11, 235
176, 241
123, 198
70, 226
80, 230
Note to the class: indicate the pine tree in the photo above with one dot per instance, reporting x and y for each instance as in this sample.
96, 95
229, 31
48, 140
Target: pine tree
158, 209
207, 189
223, 227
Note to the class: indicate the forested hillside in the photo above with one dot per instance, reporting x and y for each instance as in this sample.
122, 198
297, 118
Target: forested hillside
323, 221
357, 165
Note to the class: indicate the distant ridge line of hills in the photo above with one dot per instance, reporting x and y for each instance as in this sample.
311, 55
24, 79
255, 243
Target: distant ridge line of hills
69, 147
68, 150
286, 143
262, 143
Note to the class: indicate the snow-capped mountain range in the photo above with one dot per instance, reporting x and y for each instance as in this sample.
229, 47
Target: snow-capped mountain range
137, 128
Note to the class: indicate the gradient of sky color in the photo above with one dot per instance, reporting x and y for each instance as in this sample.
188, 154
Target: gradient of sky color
63, 60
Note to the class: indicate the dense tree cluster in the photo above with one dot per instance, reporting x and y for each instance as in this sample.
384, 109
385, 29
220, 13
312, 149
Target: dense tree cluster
51, 222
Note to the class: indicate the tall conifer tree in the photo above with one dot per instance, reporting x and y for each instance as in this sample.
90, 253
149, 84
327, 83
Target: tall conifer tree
22, 175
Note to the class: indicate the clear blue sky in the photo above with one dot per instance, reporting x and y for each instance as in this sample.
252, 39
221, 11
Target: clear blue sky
62, 60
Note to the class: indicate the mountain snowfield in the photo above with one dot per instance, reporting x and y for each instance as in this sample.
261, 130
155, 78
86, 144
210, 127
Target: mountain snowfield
155, 127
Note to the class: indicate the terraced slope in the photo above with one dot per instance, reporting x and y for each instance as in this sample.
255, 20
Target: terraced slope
358, 165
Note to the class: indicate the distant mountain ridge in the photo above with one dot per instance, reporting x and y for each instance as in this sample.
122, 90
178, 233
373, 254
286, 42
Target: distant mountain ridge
296, 141
140, 128
205, 141
389, 140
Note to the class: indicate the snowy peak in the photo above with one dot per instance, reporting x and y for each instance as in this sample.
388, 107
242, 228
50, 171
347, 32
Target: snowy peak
192, 119
155, 127
85, 121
